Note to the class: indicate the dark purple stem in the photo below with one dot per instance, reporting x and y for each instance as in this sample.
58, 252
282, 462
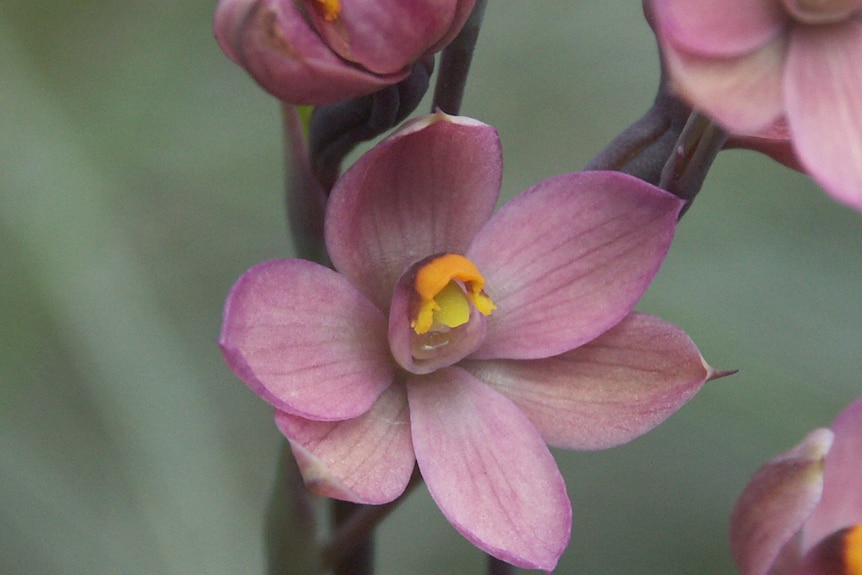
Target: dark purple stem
499, 567
455, 63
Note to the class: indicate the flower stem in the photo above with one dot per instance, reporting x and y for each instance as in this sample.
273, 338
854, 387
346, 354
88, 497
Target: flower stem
358, 557
455, 63
671, 147
499, 567
290, 522
696, 148
354, 525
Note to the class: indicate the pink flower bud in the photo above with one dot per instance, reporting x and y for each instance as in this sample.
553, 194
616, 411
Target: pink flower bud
324, 51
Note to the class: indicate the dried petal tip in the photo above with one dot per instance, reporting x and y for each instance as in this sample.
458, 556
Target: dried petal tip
713, 374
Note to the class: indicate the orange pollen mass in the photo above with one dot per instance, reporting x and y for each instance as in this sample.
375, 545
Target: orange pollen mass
329, 9
443, 303
853, 550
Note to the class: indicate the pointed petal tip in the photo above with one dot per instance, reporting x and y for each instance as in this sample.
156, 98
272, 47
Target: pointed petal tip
713, 374
317, 478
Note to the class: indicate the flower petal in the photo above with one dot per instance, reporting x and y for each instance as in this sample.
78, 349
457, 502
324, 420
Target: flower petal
605, 393
718, 28
776, 502
568, 259
386, 35
743, 93
427, 189
307, 341
774, 141
274, 43
488, 469
824, 106
841, 504
368, 459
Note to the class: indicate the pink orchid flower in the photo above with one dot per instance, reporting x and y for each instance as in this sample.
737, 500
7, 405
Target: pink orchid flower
324, 51
747, 63
801, 514
465, 341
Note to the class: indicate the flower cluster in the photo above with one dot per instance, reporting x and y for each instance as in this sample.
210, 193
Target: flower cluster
463, 340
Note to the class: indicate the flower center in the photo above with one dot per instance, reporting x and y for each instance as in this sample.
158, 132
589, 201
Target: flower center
853, 550
839, 553
821, 11
446, 285
329, 9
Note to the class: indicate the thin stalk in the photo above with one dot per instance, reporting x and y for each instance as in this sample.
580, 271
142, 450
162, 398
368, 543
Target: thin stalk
455, 63
696, 148
356, 527
499, 567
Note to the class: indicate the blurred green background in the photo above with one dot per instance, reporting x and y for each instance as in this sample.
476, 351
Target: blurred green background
140, 175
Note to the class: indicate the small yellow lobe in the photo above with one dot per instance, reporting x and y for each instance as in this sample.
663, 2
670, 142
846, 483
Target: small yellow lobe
330, 9
853, 550
439, 286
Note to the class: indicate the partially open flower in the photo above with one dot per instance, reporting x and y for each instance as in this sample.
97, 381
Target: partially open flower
801, 514
465, 341
324, 51
748, 63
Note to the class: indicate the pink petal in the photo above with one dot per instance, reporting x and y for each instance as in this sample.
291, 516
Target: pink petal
718, 28
605, 393
365, 460
824, 106
425, 190
841, 504
776, 502
305, 340
774, 141
384, 36
744, 93
488, 469
274, 43
568, 259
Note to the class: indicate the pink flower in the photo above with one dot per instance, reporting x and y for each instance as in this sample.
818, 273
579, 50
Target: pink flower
747, 63
324, 51
801, 514
465, 341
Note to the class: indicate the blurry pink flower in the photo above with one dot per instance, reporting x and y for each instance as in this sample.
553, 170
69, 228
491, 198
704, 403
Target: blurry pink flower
801, 514
462, 341
324, 51
746, 63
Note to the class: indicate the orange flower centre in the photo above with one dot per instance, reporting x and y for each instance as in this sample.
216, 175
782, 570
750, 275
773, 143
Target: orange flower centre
329, 9
853, 550
447, 285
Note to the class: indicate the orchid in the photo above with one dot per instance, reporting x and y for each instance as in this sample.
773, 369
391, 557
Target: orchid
801, 514
462, 341
324, 51
750, 63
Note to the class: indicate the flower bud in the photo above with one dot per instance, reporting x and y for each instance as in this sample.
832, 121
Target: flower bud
325, 51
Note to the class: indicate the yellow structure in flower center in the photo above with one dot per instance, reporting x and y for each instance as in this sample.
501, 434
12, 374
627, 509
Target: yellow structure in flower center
446, 285
330, 9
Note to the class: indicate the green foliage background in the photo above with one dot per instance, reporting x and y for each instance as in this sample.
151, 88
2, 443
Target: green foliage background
140, 175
